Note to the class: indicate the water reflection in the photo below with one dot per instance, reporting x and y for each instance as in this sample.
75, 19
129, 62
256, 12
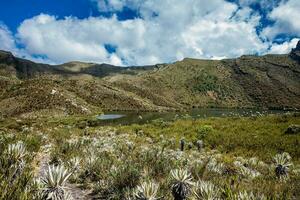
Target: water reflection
146, 117
110, 116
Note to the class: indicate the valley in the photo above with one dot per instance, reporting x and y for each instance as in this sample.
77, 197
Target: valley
193, 129
270, 82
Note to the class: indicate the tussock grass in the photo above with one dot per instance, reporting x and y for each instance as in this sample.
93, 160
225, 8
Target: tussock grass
239, 158
240, 136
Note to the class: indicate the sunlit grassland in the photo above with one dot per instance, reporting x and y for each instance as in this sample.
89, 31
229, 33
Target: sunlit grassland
247, 136
122, 162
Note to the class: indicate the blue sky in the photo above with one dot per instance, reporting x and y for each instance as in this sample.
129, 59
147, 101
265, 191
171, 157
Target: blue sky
138, 32
61, 8
13, 12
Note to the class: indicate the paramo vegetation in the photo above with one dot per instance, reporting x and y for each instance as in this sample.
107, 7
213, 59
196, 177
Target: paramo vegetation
214, 158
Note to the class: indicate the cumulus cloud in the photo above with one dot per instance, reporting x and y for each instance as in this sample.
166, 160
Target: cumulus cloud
71, 38
222, 39
7, 40
9, 43
264, 4
109, 5
284, 47
286, 17
165, 31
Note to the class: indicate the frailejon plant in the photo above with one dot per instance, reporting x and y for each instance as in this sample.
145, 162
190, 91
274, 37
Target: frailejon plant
244, 195
282, 165
214, 166
16, 152
16, 158
15, 173
190, 145
199, 145
182, 183
204, 190
147, 191
182, 143
246, 172
37, 187
74, 164
54, 183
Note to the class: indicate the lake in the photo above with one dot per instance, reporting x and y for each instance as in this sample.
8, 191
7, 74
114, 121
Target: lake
131, 117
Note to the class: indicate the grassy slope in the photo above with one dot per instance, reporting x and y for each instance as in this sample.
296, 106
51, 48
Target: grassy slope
271, 81
124, 158
256, 136
240, 136
244, 82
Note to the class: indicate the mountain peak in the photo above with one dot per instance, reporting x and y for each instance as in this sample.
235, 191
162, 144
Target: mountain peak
297, 46
6, 57
295, 53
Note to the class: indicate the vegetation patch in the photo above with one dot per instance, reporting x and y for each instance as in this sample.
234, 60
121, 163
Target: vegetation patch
218, 158
206, 82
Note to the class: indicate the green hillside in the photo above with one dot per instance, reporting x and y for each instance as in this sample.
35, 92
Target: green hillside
270, 81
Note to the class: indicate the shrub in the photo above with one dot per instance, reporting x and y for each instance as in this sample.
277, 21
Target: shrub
206, 82
203, 131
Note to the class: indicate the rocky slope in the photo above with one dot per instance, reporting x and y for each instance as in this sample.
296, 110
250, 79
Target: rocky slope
270, 81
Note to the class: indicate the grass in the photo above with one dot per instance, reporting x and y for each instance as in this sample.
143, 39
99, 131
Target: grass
241, 157
206, 82
249, 136
16, 171
250, 81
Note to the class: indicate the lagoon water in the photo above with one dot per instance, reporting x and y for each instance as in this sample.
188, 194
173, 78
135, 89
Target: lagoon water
131, 117
110, 116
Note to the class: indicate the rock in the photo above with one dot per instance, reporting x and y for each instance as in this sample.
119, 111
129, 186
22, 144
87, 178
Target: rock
293, 129
53, 92
295, 53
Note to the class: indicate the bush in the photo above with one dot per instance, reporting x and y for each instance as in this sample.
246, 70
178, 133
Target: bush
206, 82
203, 131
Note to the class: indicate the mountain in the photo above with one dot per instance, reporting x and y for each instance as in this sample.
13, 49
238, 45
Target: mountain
29, 89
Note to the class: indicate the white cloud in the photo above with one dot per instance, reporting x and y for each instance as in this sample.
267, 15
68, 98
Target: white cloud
7, 41
222, 39
73, 39
167, 31
286, 17
109, 5
283, 48
264, 4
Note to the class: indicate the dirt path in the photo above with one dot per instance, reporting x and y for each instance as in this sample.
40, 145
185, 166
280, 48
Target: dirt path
76, 192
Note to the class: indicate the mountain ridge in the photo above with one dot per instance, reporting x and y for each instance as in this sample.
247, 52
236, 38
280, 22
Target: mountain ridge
269, 81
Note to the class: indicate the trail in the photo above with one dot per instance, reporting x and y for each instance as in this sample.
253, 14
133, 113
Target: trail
76, 192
